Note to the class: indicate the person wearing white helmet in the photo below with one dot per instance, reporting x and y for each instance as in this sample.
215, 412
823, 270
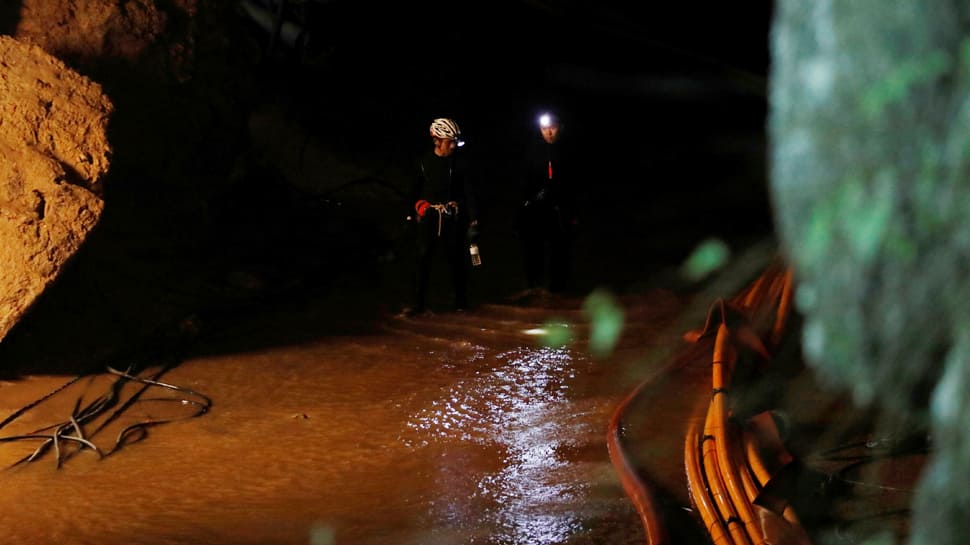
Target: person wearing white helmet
444, 209
447, 132
548, 208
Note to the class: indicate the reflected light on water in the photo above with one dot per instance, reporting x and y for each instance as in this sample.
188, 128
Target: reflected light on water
518, 403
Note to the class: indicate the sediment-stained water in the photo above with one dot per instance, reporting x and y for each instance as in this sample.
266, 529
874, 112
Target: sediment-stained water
453, 428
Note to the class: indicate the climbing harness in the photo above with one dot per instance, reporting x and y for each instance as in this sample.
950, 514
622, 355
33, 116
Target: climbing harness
449, 208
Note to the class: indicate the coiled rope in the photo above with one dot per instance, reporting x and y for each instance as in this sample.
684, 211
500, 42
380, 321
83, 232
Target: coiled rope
447, 209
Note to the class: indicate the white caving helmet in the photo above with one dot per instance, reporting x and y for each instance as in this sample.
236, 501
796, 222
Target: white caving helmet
446, 128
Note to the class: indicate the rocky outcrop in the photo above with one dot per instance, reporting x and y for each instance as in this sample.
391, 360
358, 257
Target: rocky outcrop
54, 154
86, 32
870, 163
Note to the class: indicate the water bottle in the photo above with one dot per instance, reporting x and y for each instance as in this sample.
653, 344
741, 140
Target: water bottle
476, 257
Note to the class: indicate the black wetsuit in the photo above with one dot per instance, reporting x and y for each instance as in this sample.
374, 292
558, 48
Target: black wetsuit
442, 180
548, 214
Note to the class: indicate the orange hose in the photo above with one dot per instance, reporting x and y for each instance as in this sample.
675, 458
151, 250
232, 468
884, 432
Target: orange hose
747, 298
732, 479
715, 481
725, 471
751, 486
755, 462
634, 487
784, 308
729, 470
698, 488
762, 475
731, 464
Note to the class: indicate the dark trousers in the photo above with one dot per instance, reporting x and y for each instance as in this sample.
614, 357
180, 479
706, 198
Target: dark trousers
546, 247
451, 243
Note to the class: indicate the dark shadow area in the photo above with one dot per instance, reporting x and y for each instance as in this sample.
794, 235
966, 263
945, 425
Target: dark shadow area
9, 16
680, 525
264, 248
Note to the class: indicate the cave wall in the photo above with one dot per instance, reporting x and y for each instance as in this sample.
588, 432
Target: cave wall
54, 154
870, 156
167, 89
220, 187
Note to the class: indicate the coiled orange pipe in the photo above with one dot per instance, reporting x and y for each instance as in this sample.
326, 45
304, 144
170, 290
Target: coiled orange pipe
698, 487
784, 307
755, 462
727, 467
715, 482
751, 485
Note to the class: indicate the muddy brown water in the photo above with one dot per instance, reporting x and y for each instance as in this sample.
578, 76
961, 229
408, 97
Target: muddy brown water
329, 423
456, 428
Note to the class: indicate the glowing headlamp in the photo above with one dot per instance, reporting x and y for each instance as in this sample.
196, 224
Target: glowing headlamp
547, 120
459, 141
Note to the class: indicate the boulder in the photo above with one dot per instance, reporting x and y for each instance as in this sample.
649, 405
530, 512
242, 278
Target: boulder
54, 154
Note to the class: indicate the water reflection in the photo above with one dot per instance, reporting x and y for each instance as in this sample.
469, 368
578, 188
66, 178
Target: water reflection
517, 405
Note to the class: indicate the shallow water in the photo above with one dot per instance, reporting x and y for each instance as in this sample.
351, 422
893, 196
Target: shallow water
456, 428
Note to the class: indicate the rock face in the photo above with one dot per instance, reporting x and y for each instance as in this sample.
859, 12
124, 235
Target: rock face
54, 154
86, 31
871, 158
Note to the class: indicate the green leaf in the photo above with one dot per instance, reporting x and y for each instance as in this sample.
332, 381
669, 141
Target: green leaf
606, 322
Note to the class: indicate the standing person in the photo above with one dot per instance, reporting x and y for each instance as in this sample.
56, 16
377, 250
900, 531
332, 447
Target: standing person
547, 215
445, 213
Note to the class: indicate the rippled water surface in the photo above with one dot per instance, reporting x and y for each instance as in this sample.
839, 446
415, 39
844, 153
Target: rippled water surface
456, 428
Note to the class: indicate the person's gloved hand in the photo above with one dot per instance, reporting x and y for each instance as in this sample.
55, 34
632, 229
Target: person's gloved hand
473, 231
421, 207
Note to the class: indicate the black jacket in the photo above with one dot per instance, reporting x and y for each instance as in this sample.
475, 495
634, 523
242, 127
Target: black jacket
548, 179
440, 180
